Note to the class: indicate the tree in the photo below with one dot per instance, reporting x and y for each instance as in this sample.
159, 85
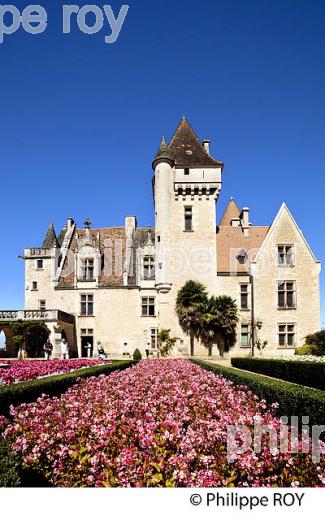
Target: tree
137, 355
219, 318
189, 298
165, 342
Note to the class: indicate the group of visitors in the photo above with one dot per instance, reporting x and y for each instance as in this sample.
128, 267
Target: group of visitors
100, 350
64, 349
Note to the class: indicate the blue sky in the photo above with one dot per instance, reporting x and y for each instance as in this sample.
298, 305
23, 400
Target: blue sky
80, 120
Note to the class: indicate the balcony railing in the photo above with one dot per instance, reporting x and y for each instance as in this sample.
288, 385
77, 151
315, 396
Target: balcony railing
35, 252
46, 315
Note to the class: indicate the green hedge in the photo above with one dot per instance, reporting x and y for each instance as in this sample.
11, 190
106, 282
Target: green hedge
29, 391
305, 373
294, 400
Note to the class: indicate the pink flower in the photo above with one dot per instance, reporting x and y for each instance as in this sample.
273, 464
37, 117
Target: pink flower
159, 423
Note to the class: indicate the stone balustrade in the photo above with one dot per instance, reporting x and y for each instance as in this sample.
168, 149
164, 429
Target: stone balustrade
37, 252
46, 315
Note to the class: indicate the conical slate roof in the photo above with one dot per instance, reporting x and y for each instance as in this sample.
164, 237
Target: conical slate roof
162, 153
185, 149
50, 239
231, 211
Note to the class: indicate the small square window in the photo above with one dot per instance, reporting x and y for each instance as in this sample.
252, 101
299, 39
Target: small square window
87, 269
186, 171
148, 306
286, 295
287, 334
39, 264
285, 256
149, 268
87, 304
42, 305
34, 286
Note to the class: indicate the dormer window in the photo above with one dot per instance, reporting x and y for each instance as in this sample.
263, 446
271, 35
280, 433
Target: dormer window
242, 257
148, 268
87, 269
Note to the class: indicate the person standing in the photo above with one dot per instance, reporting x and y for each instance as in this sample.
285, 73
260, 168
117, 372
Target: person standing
48, 347
64, 349
88, 348
101, 351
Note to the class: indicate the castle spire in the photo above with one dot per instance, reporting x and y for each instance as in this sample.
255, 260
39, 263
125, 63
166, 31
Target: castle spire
50, 239
162, 154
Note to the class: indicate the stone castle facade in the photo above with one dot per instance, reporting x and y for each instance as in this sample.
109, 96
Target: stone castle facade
119, 285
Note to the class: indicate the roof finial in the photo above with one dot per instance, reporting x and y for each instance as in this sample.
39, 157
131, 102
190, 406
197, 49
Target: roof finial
184, 117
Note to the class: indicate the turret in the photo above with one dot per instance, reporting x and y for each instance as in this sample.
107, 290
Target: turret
163, 182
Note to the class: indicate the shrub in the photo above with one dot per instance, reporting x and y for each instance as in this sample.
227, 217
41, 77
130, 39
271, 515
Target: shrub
137, 355
315, 345
293, 400
304, 373
306, 350
9, 465
29, 391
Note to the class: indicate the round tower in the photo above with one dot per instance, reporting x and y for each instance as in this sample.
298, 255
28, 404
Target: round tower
162, 189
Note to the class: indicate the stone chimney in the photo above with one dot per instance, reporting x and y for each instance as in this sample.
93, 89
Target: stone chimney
130, 225
244, 216
206, 144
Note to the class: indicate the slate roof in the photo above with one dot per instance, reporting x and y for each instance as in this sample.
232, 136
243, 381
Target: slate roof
50, 239
114, 239
185, 149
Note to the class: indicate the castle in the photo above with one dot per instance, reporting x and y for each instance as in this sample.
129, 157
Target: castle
118, 285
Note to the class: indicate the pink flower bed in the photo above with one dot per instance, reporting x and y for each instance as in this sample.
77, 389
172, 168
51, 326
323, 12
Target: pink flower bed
159, 423
29, 369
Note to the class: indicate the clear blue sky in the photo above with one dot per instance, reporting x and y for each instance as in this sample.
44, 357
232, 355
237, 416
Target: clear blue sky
80, 120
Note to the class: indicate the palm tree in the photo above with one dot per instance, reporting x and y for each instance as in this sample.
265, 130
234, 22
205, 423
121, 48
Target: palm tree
188, 304
219, 317
165, 342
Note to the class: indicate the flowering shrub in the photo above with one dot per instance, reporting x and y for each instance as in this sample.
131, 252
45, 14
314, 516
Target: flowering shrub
33, 369
159, 423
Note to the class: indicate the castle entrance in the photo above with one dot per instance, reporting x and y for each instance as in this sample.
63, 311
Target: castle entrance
35, 340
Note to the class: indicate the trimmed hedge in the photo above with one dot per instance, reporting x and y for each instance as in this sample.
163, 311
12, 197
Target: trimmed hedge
29, 391
305, 373
294, 400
